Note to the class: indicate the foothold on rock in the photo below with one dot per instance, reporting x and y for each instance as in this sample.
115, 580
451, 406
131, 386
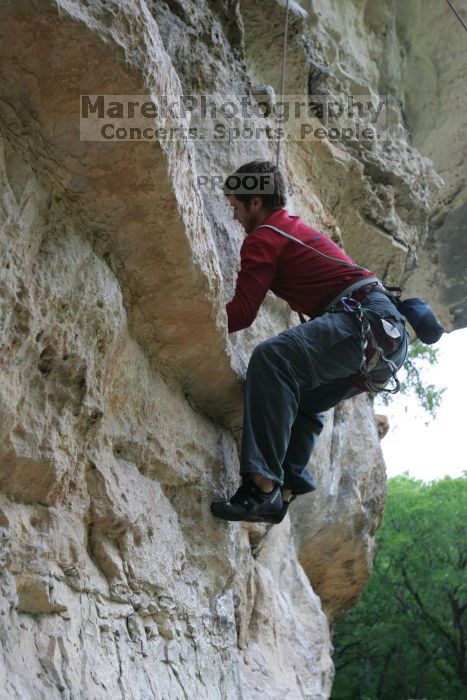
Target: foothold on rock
382, 423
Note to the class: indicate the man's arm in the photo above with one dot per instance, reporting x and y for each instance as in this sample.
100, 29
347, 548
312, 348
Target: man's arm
258, 257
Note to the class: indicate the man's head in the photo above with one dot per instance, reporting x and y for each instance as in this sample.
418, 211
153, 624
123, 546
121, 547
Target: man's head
254, 190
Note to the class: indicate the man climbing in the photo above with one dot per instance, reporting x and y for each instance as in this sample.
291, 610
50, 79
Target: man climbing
355, 341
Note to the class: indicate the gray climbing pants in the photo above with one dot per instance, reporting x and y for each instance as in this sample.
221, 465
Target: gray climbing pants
294, 377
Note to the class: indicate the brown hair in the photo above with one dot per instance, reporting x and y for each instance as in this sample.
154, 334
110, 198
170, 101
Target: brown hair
272, 190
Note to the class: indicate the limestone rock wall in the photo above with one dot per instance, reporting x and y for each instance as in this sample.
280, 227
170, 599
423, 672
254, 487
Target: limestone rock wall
119, 396
120, 390
432, 90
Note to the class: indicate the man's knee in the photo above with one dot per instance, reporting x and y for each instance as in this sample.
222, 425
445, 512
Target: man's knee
265, 352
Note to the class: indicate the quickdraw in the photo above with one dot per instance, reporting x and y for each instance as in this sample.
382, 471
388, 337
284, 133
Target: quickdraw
372, 353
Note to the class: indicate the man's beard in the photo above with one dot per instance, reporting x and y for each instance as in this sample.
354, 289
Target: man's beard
251, 223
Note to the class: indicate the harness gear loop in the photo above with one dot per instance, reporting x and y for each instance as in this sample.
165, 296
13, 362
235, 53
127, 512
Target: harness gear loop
372, 353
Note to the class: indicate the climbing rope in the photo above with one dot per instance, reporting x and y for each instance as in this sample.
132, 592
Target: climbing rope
461, 19
284, 56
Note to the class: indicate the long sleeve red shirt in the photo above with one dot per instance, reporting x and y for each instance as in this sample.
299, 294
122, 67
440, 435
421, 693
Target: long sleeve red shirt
301, 277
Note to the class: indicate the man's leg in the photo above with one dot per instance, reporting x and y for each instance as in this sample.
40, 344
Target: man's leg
272, 396
304, 436
280, 370
271, 400
303, 370
307, 428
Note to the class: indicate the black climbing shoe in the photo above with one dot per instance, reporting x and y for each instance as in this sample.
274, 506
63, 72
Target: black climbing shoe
249, 503
279, 517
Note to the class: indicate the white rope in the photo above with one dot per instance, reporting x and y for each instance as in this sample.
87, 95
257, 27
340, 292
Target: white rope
461, 20
284, 56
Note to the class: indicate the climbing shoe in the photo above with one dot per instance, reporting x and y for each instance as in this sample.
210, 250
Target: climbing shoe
279, 517
249, 503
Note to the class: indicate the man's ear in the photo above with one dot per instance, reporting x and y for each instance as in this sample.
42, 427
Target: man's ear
257, 202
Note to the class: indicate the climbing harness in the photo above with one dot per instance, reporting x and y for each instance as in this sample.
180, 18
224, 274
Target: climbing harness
372, 352
284, 57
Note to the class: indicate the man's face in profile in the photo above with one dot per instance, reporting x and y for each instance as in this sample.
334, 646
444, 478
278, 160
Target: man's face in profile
248, 215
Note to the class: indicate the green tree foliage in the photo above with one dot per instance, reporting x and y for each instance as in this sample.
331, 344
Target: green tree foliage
412, 381
406, 638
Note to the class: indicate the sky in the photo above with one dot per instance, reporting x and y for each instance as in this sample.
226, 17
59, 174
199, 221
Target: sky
429, 452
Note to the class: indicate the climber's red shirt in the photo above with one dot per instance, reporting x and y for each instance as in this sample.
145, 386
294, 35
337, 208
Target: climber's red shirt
304, 279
